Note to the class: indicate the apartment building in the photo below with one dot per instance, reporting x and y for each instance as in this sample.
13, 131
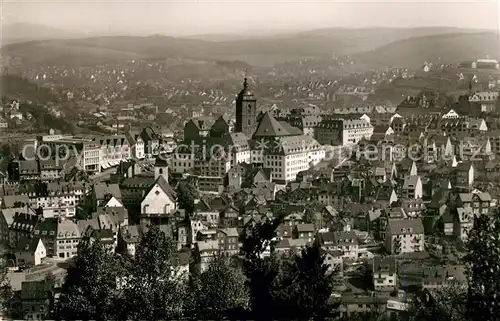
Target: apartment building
291, 155
103, 152
113, 150
91, 156
464, 126
384, 273
68, 237
210, 174
55, 199
404, 236
343, 131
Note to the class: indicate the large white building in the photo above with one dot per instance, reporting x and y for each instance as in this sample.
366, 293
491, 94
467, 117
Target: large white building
275, 145
103, 152
344, 131
95, 153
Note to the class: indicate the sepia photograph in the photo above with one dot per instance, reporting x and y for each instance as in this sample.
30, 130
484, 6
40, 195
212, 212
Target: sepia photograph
312, 160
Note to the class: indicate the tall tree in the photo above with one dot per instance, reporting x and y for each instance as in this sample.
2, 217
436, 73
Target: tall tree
445, 304
259, 270
6, 293
153, 290
186, 196
219, 290
6, 150
89, 291
307, 286
483, 262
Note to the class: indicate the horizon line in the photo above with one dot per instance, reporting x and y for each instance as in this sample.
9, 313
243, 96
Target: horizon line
242, 32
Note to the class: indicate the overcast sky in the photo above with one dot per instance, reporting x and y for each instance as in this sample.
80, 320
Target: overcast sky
231, 16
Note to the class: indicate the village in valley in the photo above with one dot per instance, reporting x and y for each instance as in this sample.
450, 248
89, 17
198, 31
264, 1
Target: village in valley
165, 178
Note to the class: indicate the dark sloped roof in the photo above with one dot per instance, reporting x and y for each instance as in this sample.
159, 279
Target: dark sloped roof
384, 264
36, 290
102, 189
26, 244
165, 186
270, 127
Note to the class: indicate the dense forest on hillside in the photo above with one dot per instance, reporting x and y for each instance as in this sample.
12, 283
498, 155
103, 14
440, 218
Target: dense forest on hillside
13, 87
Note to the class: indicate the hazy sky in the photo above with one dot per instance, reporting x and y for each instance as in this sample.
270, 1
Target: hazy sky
231, 16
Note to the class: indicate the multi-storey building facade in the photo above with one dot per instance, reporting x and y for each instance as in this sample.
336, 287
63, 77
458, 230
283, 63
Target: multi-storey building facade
404, 236
113, 150
479, 202
210, 173
384, 273
91, 156
343, 131
55, 199
68, 237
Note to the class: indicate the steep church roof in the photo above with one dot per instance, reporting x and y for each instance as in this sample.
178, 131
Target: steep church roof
165, 186
270, 127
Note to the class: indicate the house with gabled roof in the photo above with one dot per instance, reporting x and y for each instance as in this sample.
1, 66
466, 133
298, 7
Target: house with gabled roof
464, 174
158, 203
347, 242
29, 251
448, 219
129, 237
23, 225
206, 214
105, 194
384, 273
204, 253
412, 187
435, 277
304, 231
36, 298
228, 217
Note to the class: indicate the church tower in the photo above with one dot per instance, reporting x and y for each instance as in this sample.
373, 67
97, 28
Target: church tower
246, 111
161, 168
